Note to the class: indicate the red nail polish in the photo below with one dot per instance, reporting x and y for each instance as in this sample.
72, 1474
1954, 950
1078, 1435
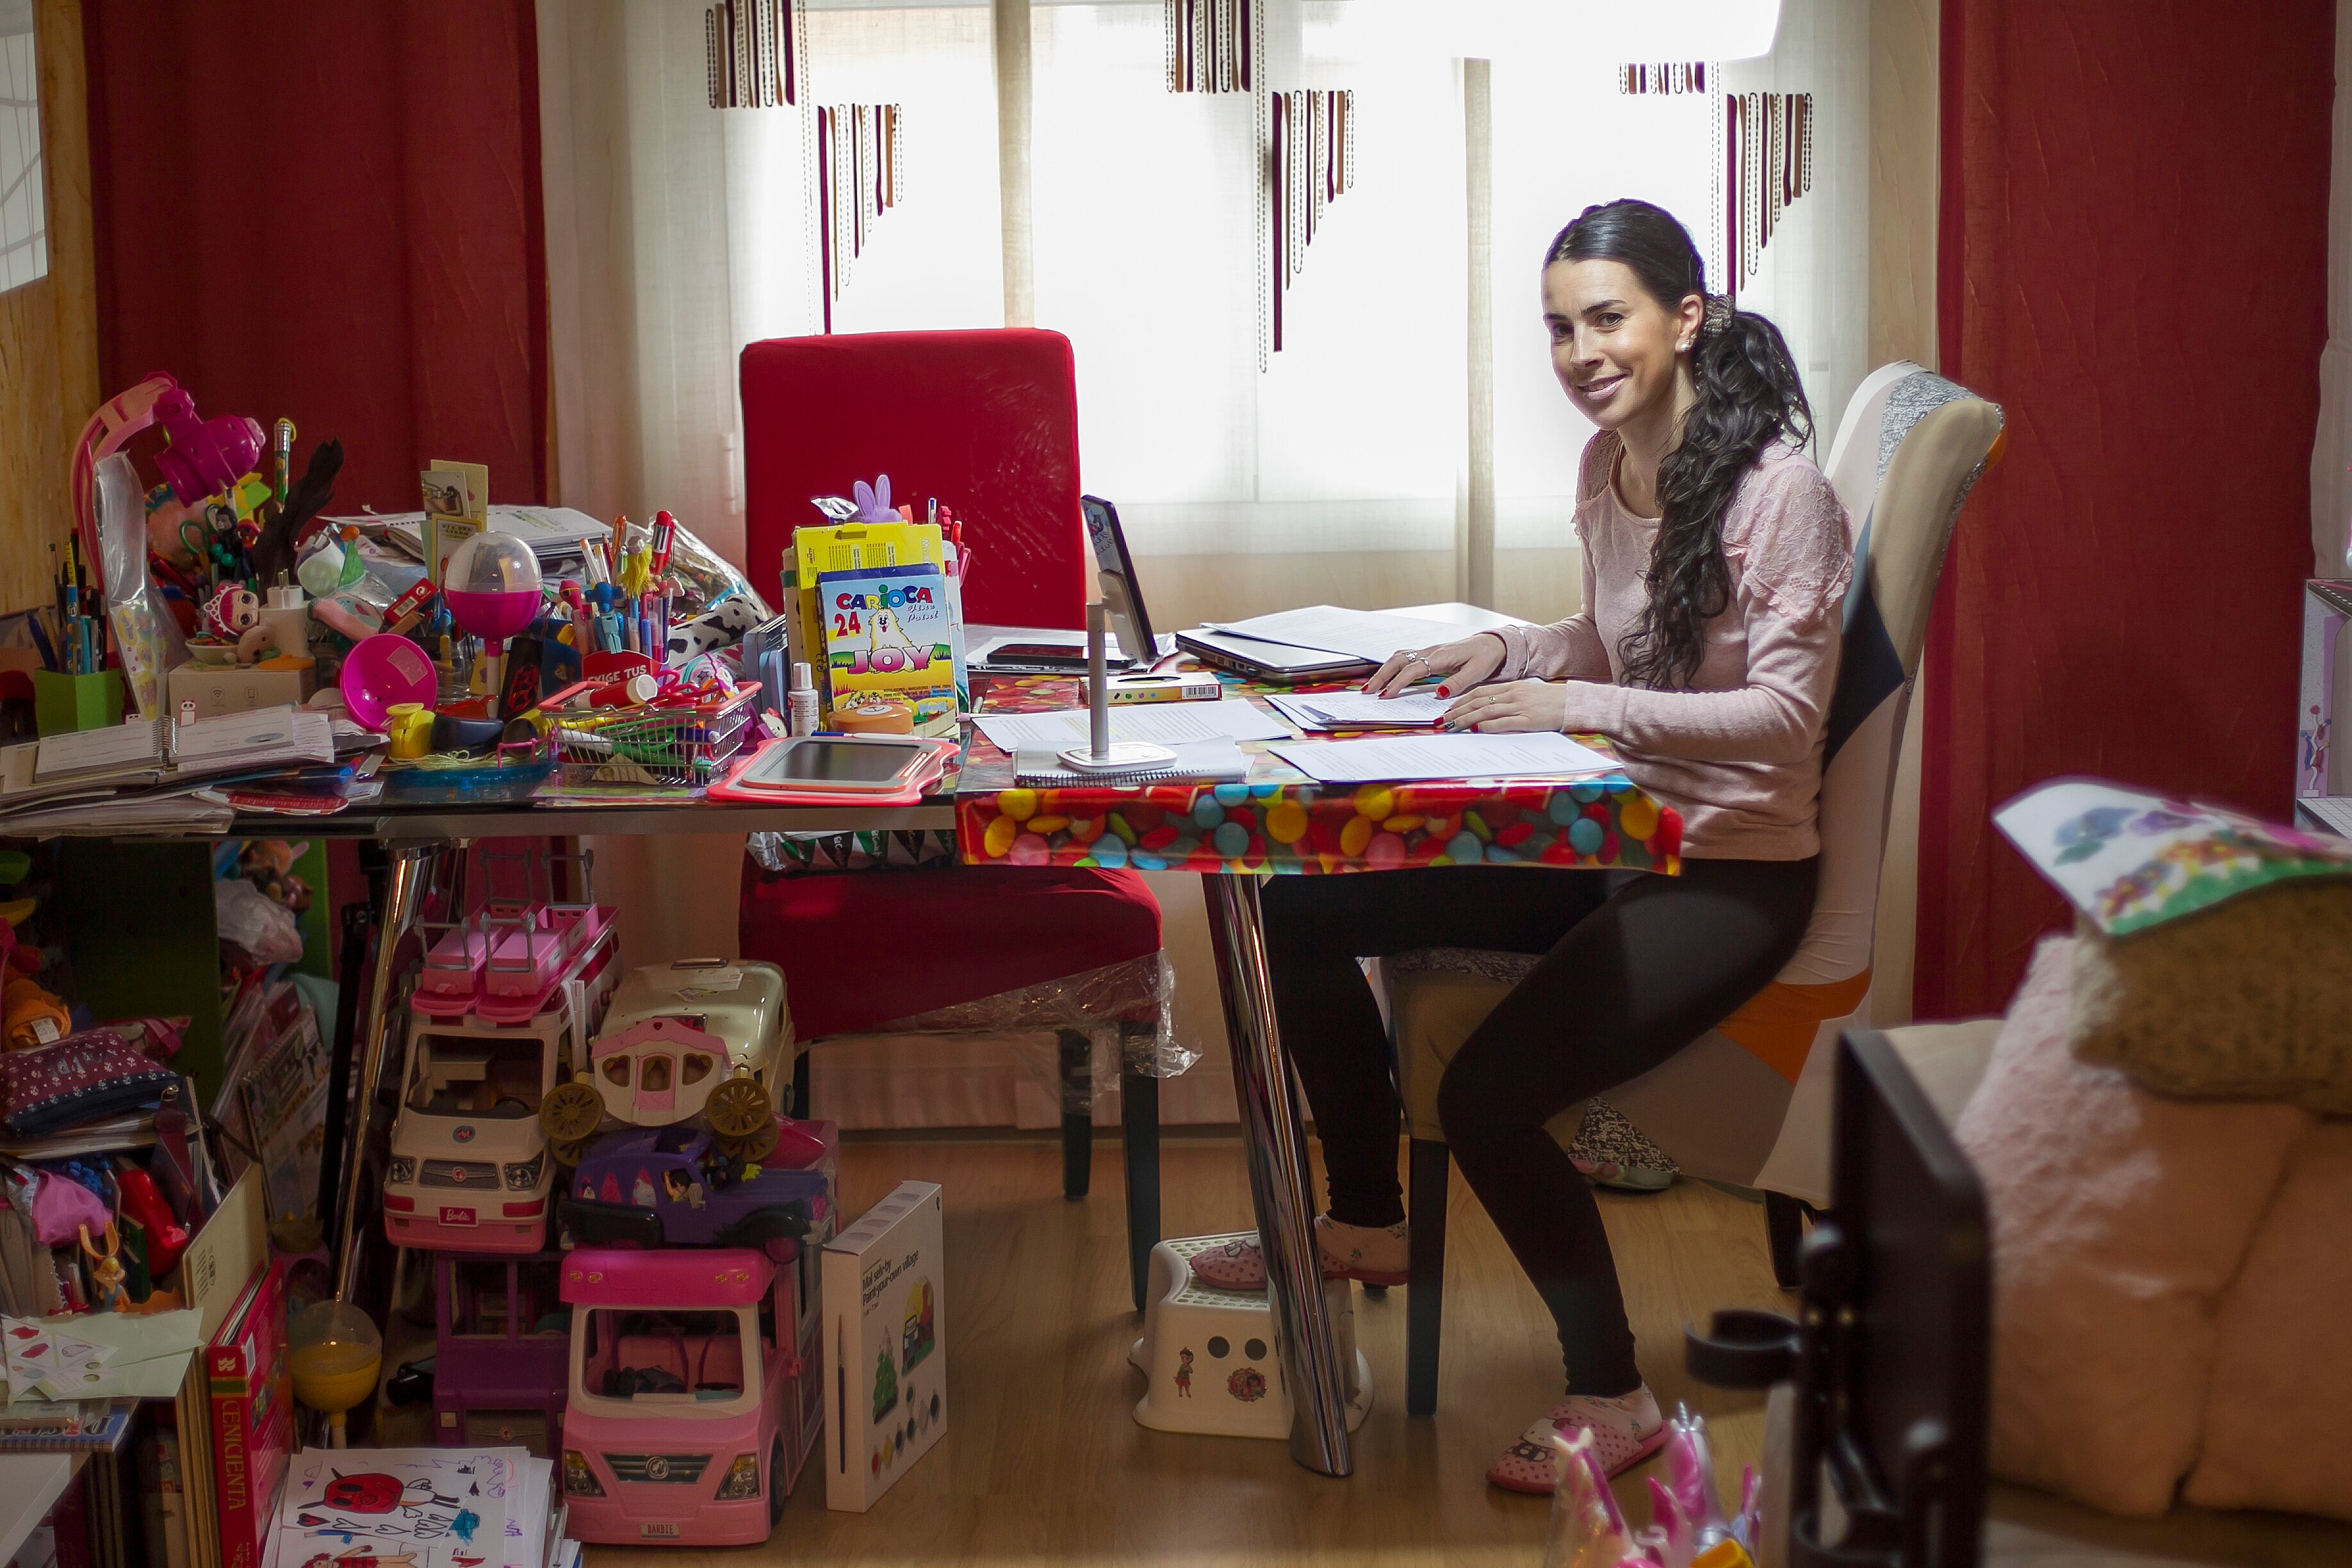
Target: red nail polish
1445, 692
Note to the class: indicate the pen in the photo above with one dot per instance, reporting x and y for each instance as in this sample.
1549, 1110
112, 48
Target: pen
282, 439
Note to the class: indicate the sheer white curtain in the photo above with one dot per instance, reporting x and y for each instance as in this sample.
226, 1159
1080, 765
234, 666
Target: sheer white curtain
1146, 233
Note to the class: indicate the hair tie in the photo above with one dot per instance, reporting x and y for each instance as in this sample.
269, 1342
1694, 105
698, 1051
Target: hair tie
1719, 311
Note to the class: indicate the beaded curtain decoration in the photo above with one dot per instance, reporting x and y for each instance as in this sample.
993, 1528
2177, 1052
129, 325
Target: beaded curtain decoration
1310, 163
1213, 45
1769, 161
1763, 161
753, 50
861, 172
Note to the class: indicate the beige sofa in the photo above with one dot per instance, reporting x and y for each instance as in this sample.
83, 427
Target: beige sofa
2025, 1526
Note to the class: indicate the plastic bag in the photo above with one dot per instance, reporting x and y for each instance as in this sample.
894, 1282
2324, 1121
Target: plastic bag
1126, 1010
149, 640
252, 922
698, 576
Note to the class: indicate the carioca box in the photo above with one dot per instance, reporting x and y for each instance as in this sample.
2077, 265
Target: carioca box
885, 1345
890, 631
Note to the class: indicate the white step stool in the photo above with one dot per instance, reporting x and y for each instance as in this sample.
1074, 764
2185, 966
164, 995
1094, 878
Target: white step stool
1207, 1355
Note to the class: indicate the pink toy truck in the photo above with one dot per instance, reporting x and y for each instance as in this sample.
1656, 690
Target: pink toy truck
696, 1392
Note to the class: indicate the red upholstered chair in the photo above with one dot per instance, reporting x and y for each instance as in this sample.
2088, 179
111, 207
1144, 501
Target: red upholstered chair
987, 422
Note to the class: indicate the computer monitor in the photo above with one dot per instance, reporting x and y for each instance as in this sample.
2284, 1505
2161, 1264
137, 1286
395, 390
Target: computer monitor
1892, 1359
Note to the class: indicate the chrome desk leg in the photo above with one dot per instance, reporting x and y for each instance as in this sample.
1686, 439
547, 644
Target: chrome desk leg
1280, 1179
411, 872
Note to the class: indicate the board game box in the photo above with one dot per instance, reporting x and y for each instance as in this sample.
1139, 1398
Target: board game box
885, 1338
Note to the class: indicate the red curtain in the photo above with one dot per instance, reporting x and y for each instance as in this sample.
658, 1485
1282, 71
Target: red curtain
330, 212
2132, 261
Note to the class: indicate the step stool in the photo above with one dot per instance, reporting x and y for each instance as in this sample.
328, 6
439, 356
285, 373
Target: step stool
1207, 1355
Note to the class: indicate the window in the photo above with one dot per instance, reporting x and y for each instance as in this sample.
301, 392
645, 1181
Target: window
24, 205
468, 1075
677, 1357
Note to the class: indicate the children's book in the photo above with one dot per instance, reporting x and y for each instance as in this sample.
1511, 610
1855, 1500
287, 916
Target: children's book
45, 1426
252, 1401
885, 1344
888, 632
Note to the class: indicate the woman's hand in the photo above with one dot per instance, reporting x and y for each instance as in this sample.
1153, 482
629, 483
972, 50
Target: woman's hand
1460, 664
1515, 705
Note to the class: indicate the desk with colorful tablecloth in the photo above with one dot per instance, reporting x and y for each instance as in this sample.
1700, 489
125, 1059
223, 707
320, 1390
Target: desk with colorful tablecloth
1278, 822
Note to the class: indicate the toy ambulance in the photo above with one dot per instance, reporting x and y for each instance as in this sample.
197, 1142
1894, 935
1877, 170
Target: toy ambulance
470, 1169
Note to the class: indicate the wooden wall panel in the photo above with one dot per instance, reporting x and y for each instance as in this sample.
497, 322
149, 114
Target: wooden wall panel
48, 330
1902, 180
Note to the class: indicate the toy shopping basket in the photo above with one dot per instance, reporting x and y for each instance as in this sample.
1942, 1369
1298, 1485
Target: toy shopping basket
653, 745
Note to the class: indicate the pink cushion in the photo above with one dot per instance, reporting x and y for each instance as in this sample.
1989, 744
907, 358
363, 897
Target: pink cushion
2119, 1217
2278, 1426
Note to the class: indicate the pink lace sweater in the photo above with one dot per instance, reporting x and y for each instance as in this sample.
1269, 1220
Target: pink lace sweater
1738, 755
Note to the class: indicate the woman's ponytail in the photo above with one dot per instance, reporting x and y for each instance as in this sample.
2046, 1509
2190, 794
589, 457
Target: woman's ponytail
1748, 398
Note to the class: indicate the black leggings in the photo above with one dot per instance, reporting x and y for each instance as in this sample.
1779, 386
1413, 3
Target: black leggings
1634, 968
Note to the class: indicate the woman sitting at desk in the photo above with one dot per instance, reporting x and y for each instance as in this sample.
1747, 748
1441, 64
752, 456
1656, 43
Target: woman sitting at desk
1716, 562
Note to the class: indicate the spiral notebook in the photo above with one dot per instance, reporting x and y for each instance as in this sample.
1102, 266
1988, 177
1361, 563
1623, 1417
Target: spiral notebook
142, 752
1202, 761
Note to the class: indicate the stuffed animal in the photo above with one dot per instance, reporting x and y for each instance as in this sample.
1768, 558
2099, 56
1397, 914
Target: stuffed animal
721, 625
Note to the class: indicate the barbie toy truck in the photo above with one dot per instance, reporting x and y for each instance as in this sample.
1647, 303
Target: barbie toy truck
696, 1392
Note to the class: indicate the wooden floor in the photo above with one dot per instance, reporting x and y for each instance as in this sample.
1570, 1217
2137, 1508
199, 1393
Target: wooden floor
1042, 1461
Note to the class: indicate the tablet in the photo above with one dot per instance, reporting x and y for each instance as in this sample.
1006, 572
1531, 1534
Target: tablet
875, 764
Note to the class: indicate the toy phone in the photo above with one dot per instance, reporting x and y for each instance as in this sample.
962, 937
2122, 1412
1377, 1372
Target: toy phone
858, 764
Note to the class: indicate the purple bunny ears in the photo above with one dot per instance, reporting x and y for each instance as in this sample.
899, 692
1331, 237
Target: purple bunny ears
874, 500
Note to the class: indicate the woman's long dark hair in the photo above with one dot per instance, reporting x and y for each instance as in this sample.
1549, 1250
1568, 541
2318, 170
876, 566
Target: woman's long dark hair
1749, 399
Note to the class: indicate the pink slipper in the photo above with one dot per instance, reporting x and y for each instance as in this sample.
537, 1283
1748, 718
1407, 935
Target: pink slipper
1526, 1465
1241, 1266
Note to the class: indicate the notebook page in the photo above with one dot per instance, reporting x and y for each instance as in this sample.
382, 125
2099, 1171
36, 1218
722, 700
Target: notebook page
1360, 634
1362, 707
1161, 723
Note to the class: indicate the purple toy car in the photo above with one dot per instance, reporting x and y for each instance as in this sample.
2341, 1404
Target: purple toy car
672, 1186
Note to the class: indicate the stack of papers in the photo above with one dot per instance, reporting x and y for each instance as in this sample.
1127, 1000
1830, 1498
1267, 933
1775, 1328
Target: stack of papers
1161, 723
1421, 758
549, 531
144, 778
1361, 710
1359, 634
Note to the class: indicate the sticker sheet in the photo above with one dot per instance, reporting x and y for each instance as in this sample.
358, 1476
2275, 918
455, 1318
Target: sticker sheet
2129, 860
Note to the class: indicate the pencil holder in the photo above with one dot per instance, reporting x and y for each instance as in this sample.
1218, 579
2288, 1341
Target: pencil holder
64, 703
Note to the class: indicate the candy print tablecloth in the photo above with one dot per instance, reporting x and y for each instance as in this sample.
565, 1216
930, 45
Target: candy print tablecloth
1278, 820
